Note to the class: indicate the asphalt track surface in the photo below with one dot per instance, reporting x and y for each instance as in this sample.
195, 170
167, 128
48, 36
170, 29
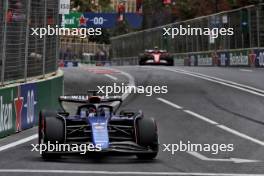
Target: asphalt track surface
197, 108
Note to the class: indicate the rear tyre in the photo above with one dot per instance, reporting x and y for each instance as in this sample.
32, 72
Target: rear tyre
44, 113
141, 62
52, 131
147, 136
171, 62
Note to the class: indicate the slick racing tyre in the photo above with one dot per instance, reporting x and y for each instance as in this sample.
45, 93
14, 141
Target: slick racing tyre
51, 130
170, 62
147, 136
43, 114
141, 61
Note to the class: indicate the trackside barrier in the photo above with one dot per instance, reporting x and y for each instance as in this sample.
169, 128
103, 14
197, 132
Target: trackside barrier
68, 63
239, 58
204, 60
235, 58
230, 58
179, 61
259, 58
114, 62
21, 103
246, 22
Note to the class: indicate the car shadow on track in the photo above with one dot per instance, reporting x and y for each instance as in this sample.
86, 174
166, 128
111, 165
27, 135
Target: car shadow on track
97, 160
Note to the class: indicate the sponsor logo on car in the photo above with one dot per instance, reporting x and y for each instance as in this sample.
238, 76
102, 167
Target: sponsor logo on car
77, 97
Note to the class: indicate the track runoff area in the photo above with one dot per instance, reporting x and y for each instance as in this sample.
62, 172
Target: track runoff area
209, 122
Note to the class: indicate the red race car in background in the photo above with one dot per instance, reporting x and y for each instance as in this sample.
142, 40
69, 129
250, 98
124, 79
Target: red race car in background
156, 57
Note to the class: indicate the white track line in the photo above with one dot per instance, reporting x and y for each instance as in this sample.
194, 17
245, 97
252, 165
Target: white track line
241, 134
201, 117
120, 172
21, 141
111, 77
244, 88
169, 103
223, 127
234, 160
228, 83
246, 70
131, 80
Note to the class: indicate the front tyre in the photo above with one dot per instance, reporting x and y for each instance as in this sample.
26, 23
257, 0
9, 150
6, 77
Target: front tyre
147, 136
141, 61
51, 130
171, 62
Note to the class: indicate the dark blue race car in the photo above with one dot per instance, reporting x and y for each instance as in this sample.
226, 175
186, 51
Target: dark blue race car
95, 121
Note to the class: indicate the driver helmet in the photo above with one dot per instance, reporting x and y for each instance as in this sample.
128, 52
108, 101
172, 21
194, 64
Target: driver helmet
92, 112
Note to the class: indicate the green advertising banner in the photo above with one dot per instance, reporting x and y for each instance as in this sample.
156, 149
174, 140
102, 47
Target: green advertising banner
57, 90
44, 98
100, 20
72, 20
20, 104
7, 111
48, 99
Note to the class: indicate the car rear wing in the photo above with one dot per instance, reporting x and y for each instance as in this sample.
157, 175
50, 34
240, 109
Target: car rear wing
85, 99
74, 98
89, 99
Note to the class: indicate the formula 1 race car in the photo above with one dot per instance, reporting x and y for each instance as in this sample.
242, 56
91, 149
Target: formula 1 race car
95, 121
156, 57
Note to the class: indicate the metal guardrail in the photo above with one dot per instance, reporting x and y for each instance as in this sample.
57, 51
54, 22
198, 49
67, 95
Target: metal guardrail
247, 23
23, 55
74, 50
116, 62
